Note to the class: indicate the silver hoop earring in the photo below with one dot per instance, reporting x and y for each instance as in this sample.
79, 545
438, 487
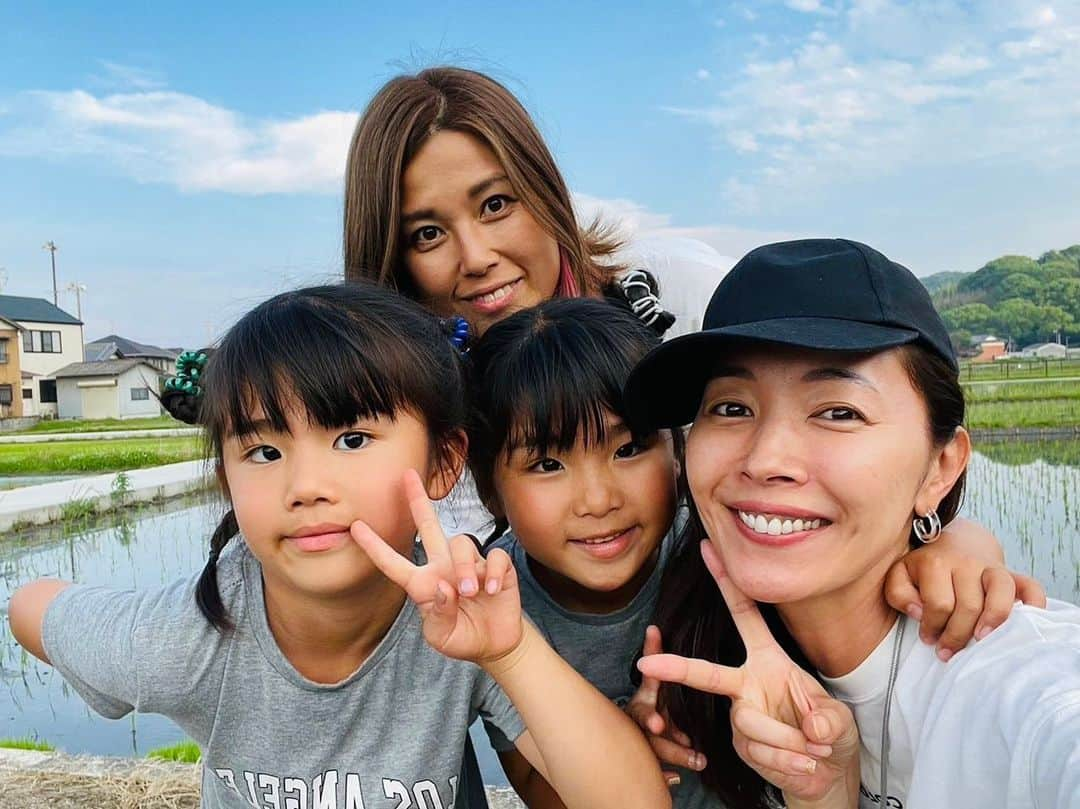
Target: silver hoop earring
928, 528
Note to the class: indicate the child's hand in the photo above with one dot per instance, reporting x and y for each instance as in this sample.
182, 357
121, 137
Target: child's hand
785, 726
479, 619
670, 744
956, 596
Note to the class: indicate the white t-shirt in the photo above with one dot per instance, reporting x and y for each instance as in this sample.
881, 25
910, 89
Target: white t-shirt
998, 726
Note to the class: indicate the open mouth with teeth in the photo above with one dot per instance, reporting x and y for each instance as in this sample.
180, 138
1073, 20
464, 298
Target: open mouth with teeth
778, 525
608, 545
495, 296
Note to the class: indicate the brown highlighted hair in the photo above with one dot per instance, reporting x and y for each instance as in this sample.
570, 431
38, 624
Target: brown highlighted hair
695, 621
408, 110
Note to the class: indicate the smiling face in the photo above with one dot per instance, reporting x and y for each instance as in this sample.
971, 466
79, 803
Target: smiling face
806, 468
470, 246
593, 517
295, 494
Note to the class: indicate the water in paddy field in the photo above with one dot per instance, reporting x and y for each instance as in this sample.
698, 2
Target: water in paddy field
1027, 493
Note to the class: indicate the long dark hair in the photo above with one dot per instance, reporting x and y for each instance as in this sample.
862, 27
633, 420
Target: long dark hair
337, 353
695, 622
545, 377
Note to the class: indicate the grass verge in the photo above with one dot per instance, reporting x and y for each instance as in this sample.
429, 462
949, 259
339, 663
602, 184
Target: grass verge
26, 744
96, 456
102, 425
187, 752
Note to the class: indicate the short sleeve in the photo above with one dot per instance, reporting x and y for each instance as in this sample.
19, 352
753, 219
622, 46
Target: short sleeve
125, 650
501, 719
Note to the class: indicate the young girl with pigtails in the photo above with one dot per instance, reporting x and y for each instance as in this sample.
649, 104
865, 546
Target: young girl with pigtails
590, 510
323, 658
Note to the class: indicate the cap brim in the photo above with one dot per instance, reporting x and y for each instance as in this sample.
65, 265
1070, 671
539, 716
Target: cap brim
665, 388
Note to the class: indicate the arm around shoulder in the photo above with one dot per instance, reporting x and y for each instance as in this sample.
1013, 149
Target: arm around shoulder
26, 613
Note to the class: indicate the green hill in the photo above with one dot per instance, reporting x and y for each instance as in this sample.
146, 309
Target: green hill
1019, 298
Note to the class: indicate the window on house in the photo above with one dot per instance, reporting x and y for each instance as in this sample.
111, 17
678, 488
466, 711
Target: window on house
42, 342
5, 394
3, 351
140, 394
48, 391
28, 393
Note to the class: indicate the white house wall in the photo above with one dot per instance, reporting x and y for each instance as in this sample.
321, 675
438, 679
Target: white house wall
138, 377
46, 364
68, 398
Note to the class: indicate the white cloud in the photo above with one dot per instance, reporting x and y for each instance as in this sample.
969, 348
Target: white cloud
703, 74
889, 88
161, 136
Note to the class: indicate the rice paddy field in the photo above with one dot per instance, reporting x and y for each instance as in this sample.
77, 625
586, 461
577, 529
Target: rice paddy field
1040, 403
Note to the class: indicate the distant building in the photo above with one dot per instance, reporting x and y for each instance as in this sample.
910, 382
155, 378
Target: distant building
1045, 351
49, 339
11, 377
110, 389
115, 347
990, 348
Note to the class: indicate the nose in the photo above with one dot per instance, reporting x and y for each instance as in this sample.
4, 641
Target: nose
478, 255
310, 482
773, 454
599, 493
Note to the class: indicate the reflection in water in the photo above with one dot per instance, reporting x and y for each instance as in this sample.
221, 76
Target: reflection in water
1026, 493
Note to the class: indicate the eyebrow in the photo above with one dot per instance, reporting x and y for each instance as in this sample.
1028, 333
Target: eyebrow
837, 374
825, 374
473, 191
257, 427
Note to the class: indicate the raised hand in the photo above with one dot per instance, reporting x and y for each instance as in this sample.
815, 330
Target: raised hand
470, 606
785, 725
670, 744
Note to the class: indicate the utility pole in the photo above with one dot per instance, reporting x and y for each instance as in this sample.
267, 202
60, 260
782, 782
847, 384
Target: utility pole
52, 248
78, 289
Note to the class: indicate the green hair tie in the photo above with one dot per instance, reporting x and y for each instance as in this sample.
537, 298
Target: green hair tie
189, 367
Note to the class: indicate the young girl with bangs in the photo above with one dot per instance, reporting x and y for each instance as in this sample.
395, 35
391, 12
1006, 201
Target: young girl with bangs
322, 658
592, 510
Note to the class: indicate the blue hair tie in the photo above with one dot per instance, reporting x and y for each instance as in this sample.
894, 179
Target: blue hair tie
459, 334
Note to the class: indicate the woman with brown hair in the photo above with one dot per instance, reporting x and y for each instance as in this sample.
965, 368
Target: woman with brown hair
453, 198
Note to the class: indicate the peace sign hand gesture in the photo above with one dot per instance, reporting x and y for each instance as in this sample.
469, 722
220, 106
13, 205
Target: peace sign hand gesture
470, 605
784, 724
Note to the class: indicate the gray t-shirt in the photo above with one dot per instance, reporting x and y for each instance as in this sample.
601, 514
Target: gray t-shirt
602, 648
389, 736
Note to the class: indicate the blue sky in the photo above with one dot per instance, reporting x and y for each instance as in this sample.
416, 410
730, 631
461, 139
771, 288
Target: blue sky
188, 161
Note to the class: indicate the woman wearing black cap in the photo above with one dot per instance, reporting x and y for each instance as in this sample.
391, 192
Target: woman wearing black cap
827, 439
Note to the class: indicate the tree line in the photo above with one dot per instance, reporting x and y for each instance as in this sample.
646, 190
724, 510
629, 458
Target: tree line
1015, 298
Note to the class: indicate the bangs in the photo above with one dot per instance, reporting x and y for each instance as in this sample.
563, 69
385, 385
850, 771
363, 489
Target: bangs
302, 354
553, 376
557, 405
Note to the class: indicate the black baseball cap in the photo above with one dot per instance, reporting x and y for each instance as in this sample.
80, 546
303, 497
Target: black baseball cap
827, 294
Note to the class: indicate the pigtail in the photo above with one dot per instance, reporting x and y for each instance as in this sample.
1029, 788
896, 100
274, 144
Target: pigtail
638, 291
207, 595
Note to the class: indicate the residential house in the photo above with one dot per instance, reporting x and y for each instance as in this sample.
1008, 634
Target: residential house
110, 389
50, 339
11, 377
1045, 351
990, 348
115, 347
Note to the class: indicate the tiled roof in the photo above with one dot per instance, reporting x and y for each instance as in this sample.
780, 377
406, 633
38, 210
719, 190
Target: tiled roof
107, 368
37, 310
129, 348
